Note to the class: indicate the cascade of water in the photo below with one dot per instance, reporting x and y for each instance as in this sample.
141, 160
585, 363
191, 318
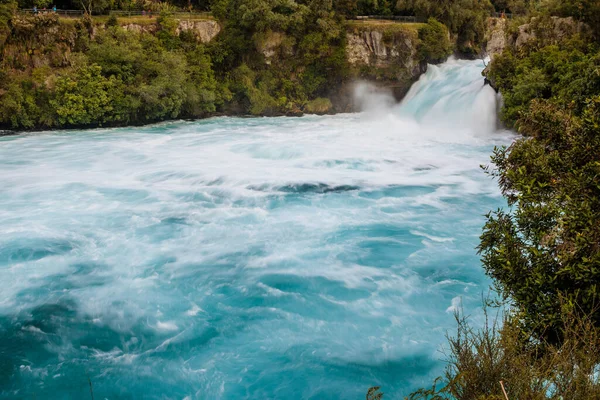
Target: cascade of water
453, 95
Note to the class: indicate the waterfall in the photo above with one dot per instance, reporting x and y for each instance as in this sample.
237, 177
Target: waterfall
448, 97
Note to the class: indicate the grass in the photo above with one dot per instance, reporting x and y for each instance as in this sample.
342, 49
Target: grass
134, 19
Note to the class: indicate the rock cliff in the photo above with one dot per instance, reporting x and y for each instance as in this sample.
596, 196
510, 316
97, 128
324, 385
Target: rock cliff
384, 54
204, 30
381, 53
496, 36
547, 31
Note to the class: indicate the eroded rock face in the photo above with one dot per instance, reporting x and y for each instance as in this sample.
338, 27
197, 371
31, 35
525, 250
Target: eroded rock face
270, 45
550, 31
386, 58
392, 52
496, 36
141, 28
547, 31
38, 41
366, 48
205, 30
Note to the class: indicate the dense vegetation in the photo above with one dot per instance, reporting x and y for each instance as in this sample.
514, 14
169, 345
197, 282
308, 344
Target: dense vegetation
465, 19
543, 251
117, 78
435, 43
56, 73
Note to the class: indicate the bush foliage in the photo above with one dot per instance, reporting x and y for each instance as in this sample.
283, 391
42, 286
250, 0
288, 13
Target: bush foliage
544, 248
482, 362
435, 45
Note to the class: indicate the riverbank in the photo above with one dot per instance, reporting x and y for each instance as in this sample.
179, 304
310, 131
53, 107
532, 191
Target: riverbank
85, 73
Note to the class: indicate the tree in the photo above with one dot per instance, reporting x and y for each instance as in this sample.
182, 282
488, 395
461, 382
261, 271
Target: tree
544, 251
83, 99
465, 18
7, 10
89, 6
435, 45
348, 8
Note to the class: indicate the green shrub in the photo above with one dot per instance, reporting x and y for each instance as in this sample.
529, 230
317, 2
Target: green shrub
545, 247
318, 106
6, 12
466, 19
83, 98
434, 45
112, 21
481, 361
18, 108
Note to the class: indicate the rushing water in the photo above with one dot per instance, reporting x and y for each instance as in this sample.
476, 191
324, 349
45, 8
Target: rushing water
246, 258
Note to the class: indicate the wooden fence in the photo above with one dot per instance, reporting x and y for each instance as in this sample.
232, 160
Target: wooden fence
63, 13
118, 13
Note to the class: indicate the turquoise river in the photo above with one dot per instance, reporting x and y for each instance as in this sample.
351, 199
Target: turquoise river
258, 258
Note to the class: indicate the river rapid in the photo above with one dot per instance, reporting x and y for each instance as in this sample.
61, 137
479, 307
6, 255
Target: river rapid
263, 258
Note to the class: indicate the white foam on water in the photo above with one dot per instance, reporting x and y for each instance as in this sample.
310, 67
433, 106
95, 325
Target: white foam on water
269, 247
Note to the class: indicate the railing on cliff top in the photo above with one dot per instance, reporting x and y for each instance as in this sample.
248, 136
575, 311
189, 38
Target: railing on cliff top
410, 18
118, 13
64, 13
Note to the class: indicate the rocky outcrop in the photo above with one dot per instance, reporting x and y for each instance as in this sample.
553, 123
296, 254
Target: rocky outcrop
137, 28
394, 50
270, 44
496, 36
39, 41
549, 30
45, 40
204, 30
541, 30
366, 48
384, 55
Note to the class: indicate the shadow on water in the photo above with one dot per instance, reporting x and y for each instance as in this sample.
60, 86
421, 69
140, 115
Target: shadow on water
52, 351
306, 188
25, 249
